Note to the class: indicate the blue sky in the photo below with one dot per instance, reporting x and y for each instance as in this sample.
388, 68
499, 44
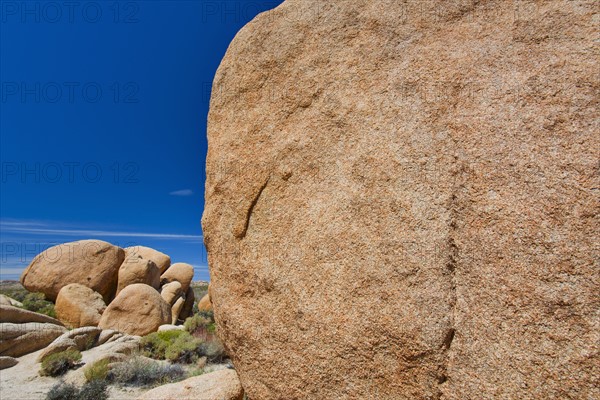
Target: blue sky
103, 111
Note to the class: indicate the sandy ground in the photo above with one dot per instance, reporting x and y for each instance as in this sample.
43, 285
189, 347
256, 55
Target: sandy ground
22, 381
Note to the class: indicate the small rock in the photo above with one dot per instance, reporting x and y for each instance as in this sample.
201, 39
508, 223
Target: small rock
7, 362
218, 385
170, 327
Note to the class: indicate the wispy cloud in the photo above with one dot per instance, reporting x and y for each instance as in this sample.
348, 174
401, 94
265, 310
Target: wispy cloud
182, 193
34, 229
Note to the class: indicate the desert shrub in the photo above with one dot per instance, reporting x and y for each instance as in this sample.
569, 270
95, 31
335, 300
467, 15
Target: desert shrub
141, 372
37, 302
96, 390
96, 371
175, 346
196, 321
63, 391
58, 363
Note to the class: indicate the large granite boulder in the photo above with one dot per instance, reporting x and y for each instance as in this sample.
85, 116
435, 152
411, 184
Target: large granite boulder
402, 200
137, 310
77, 305
161, 260
138, 270
92, 263
17, 340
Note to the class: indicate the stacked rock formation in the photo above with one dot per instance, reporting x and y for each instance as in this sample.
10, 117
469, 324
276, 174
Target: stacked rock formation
402, 200
95, 283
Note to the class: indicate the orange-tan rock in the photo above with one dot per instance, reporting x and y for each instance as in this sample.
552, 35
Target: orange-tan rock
205, 304
180, 272
171, 292
188, 306
137, 310
404, 196
92, 263
176, 309
136, 269
161, 260
77, 306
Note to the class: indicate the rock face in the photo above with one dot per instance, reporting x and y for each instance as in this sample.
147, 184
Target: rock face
161, 260
20, 339
404, 196
137, 310
180, 272
218, 385
138, 270
77, 305
92, 263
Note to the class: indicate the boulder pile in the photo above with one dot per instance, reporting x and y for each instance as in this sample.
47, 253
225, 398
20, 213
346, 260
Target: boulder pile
94, 283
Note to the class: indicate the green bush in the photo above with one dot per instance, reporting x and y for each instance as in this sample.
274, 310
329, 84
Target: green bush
141, 372
196, 321
96, 390
96, 371
175, 346
37, 302
58, 363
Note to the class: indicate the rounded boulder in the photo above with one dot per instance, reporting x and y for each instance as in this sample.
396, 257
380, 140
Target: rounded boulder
77, 306
161, 260
136, 269
92, 263
137, 310
180, 272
